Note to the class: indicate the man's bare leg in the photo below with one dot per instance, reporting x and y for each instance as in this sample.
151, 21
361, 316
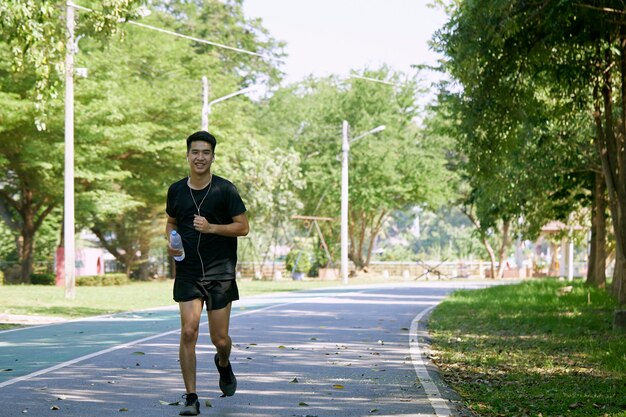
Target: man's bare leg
218, 327
190, 312
219, 322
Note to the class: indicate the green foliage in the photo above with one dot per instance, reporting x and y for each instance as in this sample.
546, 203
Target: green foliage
42, 279
102, 280
131, 117
391, 170
537, 109
91, 301
298, 260
37, 40
531, 348
268, 180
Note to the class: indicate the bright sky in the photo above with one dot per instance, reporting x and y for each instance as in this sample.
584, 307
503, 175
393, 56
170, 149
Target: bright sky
327, 37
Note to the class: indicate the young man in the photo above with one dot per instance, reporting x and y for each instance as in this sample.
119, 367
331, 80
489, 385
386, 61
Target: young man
209, 215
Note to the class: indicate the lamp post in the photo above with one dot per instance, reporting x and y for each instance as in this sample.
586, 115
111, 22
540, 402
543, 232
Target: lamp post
68, 203
206, 104
345, 152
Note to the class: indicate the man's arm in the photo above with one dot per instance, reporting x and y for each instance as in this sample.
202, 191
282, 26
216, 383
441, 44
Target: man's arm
239, 226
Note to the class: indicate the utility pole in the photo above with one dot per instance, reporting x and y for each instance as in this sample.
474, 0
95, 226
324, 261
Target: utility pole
68, 223
345, 155
345, 151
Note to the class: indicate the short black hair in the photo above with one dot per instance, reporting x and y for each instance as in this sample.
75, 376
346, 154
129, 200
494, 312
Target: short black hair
204, 136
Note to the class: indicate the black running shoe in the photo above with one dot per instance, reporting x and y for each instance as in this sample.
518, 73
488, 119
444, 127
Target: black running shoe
228, 382
192, 406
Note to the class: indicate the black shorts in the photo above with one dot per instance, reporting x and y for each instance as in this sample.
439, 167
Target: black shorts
216, 294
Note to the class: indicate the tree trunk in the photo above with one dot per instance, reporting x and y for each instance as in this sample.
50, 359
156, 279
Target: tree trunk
596, 274
492, 256
374, 231
483, 238
609, 140
123, 258
27, 256
356, 243
506, 226
143, 272
619, 215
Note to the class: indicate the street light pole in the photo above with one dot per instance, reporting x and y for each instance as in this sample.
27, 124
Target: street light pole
345, 154
68, 223
206, 105
345, 151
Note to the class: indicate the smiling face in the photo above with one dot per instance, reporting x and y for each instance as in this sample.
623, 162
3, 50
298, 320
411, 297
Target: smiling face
200, 157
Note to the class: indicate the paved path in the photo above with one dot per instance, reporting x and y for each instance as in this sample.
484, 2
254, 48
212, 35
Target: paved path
351, 351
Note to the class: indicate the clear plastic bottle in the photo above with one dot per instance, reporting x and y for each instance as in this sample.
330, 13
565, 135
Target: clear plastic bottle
177, 243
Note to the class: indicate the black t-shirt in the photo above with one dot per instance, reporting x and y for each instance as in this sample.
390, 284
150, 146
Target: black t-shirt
207, 256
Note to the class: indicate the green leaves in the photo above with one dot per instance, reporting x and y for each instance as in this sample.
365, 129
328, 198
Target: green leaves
387, 170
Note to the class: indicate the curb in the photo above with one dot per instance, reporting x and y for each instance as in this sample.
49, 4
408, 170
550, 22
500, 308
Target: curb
454, 406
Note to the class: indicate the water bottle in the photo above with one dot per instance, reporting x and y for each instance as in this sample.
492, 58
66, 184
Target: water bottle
177, 243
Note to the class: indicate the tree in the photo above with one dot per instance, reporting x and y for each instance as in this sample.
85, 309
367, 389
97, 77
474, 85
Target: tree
32, 45
133, 109
521, 112
38, 42
392, 170
130, 122
575, 51
30, 159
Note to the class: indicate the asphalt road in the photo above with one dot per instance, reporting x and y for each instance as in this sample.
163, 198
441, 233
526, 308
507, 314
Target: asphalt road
341, 352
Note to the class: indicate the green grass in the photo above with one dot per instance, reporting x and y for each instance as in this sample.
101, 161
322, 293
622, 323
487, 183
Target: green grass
90, 301
523, 350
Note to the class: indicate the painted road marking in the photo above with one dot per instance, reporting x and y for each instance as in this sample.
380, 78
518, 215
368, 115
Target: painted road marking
439, 404
134, 342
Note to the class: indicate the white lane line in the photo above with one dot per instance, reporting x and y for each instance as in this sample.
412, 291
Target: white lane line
131, 343
82, 358
439, 404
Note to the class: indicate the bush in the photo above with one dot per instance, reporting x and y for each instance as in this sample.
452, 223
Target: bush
42, 279
1, 277
298, 261
102, 280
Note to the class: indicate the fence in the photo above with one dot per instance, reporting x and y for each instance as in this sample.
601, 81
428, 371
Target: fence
408, 270
414, 270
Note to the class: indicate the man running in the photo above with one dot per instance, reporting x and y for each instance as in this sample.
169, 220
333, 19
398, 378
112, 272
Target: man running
208, 213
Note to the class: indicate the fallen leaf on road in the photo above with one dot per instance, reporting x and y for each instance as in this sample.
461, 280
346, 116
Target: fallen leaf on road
168, 403
123, 409
303, 404
294, 380
55, 407
138, 353
338, 386
207, 403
